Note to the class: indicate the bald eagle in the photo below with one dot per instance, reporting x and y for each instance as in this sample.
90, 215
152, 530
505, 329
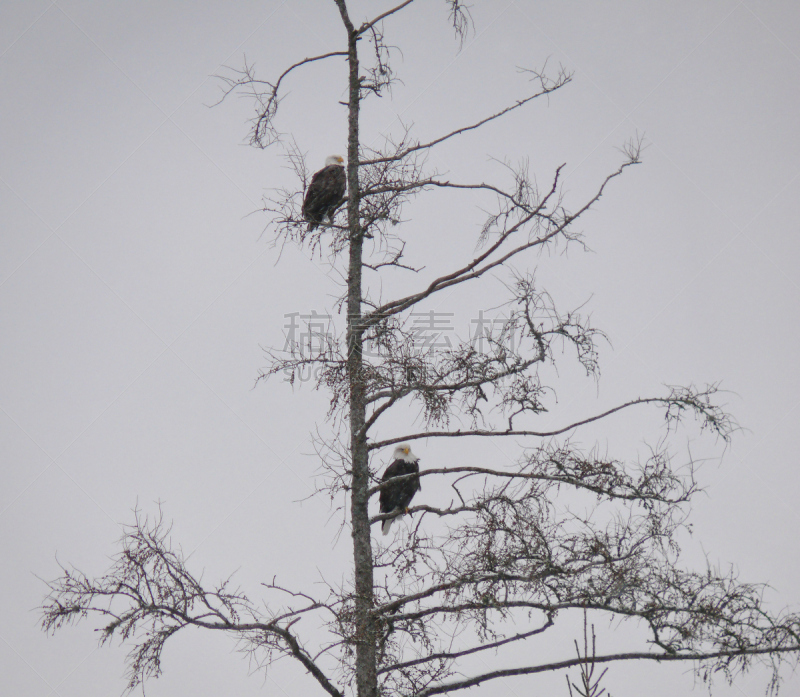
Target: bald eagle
396, 497
325, 193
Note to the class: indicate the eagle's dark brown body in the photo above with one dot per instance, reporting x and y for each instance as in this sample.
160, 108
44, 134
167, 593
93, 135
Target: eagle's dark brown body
325, 194
397, 496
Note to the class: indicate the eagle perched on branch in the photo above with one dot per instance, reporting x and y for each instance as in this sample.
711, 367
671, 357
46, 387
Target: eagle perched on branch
325, 193
397, 496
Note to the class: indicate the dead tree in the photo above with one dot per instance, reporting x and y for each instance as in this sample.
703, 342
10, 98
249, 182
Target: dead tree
502, 549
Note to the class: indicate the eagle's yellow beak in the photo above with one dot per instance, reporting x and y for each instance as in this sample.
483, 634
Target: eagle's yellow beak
406, 450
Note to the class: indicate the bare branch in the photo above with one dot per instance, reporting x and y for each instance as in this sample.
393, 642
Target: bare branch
721, 656
477, 268
711, 417
466, 652
368, 25
547, 85
148, 595
264, 133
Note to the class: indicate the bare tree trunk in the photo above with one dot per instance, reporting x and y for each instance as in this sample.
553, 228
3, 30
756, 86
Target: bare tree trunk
366, 669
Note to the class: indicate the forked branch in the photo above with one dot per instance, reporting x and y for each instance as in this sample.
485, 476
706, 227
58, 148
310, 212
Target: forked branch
148, 595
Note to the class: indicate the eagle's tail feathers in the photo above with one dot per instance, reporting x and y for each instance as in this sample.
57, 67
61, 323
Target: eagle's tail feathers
386, 525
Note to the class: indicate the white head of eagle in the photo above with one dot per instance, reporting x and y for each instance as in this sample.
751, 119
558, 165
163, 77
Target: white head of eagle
403, 452
396, 496
325, 193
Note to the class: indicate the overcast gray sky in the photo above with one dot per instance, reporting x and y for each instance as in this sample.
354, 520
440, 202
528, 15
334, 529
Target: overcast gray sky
136, 292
